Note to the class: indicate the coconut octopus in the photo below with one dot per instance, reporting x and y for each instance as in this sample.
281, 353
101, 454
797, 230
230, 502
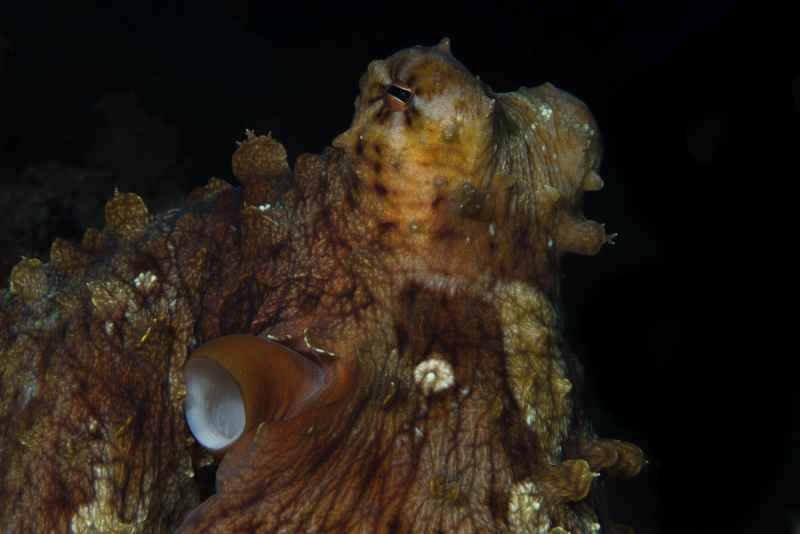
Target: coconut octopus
367, 343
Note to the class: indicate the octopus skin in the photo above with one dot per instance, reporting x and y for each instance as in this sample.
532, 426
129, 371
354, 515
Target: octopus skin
415, 264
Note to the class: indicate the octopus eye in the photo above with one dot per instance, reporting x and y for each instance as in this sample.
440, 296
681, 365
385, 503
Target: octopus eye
398, 98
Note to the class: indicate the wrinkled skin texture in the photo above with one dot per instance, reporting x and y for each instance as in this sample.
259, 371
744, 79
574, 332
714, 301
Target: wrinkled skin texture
417, 261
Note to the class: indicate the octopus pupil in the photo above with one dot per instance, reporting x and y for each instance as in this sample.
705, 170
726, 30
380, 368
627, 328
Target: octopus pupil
404, 95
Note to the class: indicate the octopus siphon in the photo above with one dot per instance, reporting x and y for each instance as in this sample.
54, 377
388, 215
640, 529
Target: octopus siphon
368, 342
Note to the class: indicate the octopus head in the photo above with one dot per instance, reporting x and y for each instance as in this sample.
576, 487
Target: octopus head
421, 130
451, 171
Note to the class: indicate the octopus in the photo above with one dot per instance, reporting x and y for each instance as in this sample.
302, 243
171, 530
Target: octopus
368, 342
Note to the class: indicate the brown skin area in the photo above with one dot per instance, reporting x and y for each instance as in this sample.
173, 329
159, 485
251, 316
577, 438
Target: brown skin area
433, 230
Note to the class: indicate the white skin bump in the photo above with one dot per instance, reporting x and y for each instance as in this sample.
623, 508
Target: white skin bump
433, 375
214, 405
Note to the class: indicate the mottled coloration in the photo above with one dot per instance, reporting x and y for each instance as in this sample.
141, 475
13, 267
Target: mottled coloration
416, 262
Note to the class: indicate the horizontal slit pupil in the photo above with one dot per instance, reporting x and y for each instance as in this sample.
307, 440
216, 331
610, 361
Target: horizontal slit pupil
399, 93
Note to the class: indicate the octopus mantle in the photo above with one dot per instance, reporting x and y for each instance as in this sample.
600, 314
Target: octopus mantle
417, 260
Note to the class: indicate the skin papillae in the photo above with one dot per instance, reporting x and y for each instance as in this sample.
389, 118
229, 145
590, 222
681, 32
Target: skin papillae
416, 261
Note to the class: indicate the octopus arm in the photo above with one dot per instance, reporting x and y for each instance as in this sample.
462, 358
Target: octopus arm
92, 348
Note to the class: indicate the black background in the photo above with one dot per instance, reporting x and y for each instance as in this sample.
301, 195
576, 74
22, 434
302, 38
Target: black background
150, 97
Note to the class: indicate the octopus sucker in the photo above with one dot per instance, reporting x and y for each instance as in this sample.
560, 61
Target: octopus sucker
367, 340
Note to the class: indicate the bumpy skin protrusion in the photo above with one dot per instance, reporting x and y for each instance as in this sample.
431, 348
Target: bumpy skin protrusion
428, 239
612, 456
28, 280
261, 166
